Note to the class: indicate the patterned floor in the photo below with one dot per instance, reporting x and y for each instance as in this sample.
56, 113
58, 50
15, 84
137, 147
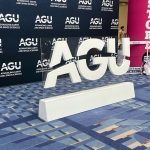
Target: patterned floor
120, 126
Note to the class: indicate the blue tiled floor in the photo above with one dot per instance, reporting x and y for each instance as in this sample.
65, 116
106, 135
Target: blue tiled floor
120, 126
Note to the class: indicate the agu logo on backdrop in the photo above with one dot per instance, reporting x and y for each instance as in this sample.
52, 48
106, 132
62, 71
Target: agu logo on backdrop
10, 69
107, 5
43, 22
9, 21
1, 50
42, 65
28, 45
81, 39
85, 4
58, 3
114, 24
104, 38
72, 23
56, 39
96, 23
26, 2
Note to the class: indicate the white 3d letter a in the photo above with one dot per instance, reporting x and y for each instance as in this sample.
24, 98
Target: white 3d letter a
61, 50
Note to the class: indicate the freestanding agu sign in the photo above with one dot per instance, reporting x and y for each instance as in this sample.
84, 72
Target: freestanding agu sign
65, 105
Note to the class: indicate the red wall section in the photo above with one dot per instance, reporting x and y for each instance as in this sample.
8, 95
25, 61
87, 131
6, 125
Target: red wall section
137, 18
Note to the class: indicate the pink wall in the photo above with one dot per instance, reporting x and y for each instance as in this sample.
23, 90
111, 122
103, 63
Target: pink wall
137, 17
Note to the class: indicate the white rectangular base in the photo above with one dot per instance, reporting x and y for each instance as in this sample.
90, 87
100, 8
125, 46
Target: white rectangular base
62, 106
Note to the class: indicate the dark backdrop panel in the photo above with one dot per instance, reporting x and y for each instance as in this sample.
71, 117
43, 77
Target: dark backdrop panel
23, 23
